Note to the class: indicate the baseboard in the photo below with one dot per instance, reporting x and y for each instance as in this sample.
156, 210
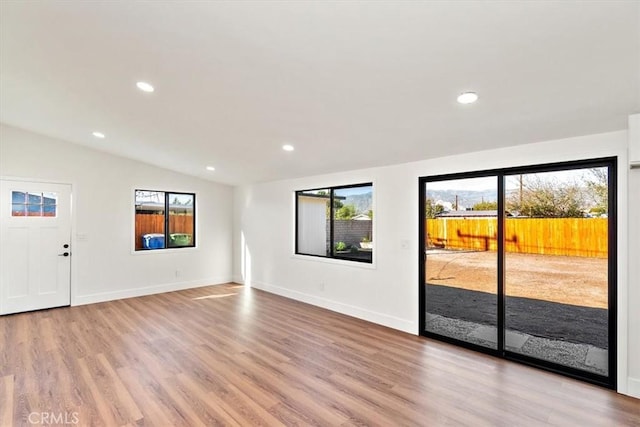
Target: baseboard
238, 279
350, 310
148, 290
633, 387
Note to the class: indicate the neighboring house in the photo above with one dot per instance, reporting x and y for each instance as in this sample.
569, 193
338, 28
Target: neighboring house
312, 215
361, 217
471, 214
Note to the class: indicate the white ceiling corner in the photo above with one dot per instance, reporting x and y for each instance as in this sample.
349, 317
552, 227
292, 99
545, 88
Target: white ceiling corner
349, 84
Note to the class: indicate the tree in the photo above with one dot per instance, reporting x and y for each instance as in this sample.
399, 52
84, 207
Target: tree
337, 205
485, 206
548, 198
432, 210
346, 212
597, 180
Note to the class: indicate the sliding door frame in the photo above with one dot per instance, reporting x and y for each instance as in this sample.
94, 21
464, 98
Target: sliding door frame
608, 381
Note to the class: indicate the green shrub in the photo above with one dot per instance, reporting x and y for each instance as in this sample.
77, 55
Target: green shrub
341, 246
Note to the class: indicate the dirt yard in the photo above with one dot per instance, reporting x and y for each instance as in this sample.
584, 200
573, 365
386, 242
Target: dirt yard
562, 279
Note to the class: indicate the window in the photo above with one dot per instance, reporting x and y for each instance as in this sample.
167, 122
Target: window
164, 220
336, 222
24, 203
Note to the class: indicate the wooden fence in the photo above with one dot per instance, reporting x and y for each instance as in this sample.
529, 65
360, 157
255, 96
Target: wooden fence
584, 237
149, 223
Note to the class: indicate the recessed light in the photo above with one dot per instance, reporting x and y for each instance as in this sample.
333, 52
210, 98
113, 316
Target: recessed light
210, 168
98, 135
145, 87
468, 98
287, 147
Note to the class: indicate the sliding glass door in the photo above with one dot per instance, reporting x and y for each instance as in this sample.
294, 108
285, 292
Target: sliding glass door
460, 259
520, 263
556, 267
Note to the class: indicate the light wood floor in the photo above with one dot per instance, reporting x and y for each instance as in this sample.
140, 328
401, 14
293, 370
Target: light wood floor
226, 355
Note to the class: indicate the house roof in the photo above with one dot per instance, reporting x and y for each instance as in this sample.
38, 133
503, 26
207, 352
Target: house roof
320, 196
470, 214
349, 84
362, 217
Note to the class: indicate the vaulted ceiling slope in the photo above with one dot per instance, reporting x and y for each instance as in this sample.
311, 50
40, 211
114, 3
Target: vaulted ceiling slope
349, 84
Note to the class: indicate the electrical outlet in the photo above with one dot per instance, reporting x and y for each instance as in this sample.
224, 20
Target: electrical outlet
321, 286
178, 272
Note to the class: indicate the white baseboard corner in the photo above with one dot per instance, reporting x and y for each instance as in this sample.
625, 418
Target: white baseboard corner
633, 387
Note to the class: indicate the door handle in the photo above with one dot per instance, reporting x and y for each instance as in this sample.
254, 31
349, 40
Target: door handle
64, 254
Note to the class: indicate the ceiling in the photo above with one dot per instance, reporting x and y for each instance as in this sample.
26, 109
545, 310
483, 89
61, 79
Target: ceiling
349, 84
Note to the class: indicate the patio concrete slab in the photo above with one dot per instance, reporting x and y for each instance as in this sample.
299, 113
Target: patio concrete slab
514, 340
597, 358
581, 356
432, 316
486, 333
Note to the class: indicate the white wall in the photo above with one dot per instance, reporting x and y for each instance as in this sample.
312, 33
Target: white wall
633, 290
387, 292
104, 266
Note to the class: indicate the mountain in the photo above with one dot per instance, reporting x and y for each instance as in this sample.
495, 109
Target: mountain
362, 202
466, 198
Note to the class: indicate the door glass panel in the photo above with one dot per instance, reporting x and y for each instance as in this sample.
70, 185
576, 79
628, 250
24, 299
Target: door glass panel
556, 267
41, 204
49, 202
461, 259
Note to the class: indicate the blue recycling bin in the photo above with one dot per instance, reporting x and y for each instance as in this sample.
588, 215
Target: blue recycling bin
153, 241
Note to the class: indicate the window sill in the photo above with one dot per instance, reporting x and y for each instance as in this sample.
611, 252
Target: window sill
164, 251
346, 263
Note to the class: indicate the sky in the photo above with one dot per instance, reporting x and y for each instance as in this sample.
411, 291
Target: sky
512, 181
470, 184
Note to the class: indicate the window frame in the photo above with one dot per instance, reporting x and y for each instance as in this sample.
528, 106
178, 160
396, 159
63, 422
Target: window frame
166, 221
332, 255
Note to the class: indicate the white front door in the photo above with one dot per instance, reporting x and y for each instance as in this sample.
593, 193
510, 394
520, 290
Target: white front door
35, 246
